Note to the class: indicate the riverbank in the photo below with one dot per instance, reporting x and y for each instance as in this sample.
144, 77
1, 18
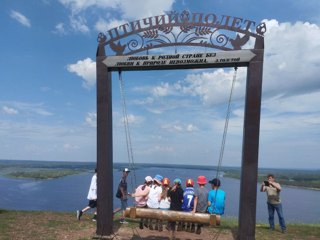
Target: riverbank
38, 225
42, 170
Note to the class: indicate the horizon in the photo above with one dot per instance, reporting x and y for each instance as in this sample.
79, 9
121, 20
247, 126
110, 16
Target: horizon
188, 166
48, 93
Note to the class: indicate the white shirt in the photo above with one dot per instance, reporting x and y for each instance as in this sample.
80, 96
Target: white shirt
92, 194
164, 203
153, 197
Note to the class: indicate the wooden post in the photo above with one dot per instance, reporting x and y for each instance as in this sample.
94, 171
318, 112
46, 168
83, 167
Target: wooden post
104, 147
250, 149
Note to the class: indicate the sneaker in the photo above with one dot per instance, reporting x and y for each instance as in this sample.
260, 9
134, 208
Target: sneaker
79, 214
94, 218
283, 231
123, 222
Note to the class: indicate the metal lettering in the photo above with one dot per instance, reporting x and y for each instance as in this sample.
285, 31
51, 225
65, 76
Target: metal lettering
194, 15
148, 21
214, 18
115, 31
135, 25
249, 23
173, 18
236, 23
124, 28
226, 18
160, 21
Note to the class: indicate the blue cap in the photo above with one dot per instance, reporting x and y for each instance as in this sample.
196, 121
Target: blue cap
177, 180
158, 178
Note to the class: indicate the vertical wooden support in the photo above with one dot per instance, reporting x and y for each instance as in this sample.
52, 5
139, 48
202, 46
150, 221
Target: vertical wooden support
250, 149
104, 147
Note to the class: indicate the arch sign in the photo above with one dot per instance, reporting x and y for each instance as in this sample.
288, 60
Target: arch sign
182, 31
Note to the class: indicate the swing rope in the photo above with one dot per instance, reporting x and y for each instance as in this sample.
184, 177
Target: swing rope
127, 130
225, 130
226, 124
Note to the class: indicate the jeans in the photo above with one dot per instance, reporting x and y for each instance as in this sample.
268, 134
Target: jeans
278, 208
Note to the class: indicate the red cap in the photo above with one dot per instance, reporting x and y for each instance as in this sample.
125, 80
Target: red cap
202, 180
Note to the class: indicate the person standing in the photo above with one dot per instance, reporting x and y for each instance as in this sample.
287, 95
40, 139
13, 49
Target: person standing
273, 189
201, 199
122, 193
216, 198
92, 197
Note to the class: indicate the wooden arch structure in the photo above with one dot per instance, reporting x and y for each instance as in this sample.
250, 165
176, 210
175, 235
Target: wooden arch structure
225, 33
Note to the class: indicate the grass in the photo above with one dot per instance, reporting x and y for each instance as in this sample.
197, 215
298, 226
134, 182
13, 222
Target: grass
42, 174
38, 225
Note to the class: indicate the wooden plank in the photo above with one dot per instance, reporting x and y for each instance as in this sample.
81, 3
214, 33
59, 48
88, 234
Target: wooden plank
169, 215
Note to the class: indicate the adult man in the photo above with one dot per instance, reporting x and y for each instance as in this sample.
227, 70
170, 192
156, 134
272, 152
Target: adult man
122, 193
272, 188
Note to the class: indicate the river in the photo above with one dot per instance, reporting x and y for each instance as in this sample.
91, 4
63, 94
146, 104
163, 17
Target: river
69, 193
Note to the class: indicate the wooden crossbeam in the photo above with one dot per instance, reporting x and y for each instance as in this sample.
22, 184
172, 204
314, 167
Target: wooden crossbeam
173, 216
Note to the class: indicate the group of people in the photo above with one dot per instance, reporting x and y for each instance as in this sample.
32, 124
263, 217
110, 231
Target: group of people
157, 193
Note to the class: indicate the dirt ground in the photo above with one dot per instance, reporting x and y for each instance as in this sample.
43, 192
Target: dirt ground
134, 233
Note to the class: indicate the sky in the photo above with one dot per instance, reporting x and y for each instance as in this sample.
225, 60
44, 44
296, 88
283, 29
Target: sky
48, 86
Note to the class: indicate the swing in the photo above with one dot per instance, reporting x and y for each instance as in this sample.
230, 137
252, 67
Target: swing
170, 215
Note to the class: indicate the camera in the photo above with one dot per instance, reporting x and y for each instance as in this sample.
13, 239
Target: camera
266, 183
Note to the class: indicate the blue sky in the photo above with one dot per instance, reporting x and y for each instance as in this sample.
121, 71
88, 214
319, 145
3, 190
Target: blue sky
48, 86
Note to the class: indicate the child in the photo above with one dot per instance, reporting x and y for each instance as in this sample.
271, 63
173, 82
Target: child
176, 197
154, 195
141, 195
216, 198
164, 199
188, 202
201, 199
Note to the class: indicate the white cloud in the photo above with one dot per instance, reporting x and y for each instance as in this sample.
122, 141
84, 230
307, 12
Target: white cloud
81, 5
86, 69
69, 146
139, 9
102, 25
20, 18
292, 57
60, 28
178, 127
130, 10
133, 119
9, 111
91, 119
78, 24
26, 108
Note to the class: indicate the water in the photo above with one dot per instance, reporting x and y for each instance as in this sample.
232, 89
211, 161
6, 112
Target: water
69, 193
